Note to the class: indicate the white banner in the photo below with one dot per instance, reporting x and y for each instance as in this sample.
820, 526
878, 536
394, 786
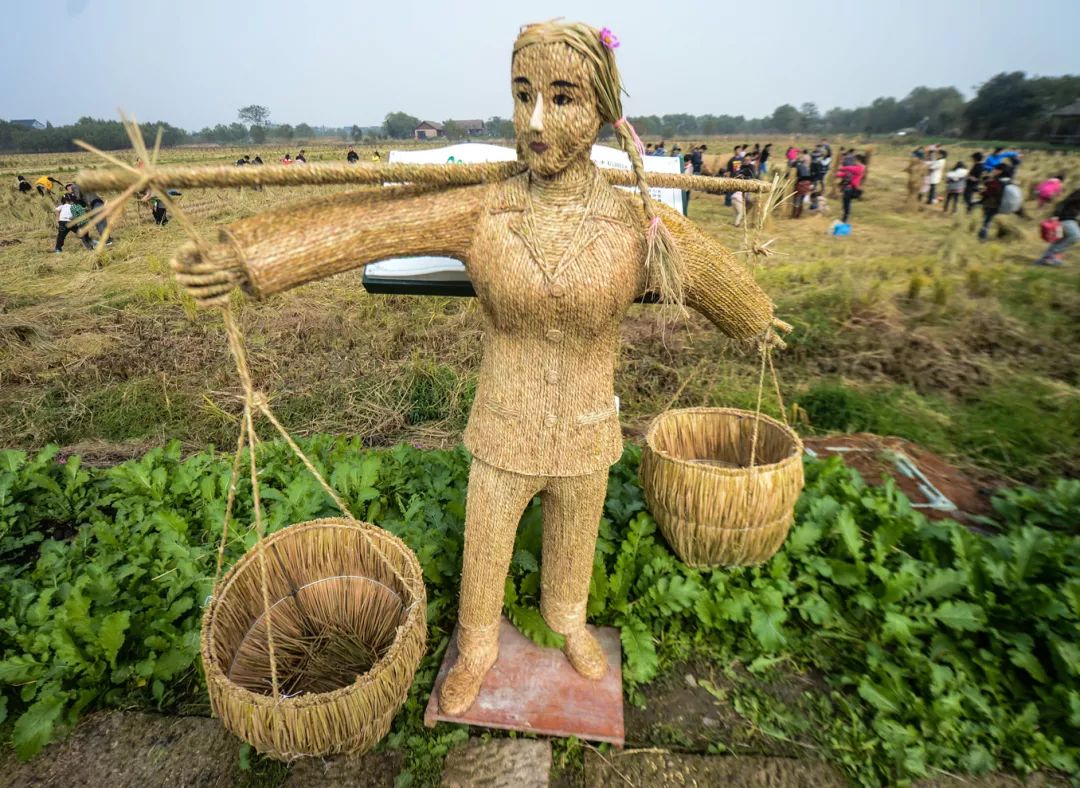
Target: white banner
447, 269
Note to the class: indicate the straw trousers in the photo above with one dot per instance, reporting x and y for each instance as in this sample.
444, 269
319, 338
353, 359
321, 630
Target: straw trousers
571, 507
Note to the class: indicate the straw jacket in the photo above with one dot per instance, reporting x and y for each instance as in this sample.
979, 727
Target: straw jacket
545, 402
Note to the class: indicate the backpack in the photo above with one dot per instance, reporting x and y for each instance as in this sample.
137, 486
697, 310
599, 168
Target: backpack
1051, 230
77, 211
1012, 199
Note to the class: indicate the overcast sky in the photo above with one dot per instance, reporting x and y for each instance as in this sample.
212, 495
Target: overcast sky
194, 62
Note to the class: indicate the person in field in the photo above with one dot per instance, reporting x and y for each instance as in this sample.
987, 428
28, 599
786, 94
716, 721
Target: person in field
804, 184
696, 157
763, 159
376, 156
955, 183
352, 156
851, 177
45, 184
743, 201
286, 159
244, 160
157, 208
66, 222
1013, 158
999, 196
935, 170
301, 157
1066, 212
22, 185
1050, 189
89, 201
973, 182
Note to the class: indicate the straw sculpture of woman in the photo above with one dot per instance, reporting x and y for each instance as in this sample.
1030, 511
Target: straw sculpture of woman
556, 256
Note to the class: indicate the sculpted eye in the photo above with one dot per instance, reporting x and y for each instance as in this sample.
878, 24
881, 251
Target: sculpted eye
562, 98
523, 97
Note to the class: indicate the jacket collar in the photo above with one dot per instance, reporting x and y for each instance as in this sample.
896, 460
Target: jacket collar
607, 204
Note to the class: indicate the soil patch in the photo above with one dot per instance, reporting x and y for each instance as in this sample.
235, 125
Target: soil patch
659, 768
875, 458
688, 708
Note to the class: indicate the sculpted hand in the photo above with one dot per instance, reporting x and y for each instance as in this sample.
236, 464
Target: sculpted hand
208, 275
770, 338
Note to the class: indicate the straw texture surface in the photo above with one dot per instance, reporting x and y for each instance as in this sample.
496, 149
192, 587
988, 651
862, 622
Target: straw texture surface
349, 628
712, 508
204, 176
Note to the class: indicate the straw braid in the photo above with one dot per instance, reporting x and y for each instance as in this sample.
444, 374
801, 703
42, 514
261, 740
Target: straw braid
669, 277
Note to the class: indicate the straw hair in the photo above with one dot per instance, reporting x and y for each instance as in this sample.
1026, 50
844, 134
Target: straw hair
661, 250
349, 629
712, 507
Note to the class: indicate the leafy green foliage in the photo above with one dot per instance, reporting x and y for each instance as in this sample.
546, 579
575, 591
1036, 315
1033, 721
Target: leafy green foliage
941, 648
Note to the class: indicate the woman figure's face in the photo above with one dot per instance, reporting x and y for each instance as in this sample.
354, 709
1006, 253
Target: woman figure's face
555, 115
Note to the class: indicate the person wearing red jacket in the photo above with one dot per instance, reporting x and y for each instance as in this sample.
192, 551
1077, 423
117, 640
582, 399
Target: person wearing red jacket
851, 178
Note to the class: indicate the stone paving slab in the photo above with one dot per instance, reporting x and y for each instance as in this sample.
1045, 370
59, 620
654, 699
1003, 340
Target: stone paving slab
134, 750
654, 768
517, 763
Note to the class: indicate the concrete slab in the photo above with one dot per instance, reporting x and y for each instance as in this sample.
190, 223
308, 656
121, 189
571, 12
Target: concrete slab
534, 689
134, 750
521, 763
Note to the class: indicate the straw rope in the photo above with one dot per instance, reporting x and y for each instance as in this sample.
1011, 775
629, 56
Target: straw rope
127, 178
334, 632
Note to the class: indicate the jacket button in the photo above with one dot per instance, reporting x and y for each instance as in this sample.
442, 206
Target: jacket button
552, 376
550, 420
554, 335
557, 290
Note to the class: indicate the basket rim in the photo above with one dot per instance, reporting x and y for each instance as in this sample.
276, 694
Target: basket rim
783, 463
412, 621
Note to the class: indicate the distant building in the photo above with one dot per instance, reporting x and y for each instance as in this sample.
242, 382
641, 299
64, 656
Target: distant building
29, 123
428, 130
473, 128
1066, 124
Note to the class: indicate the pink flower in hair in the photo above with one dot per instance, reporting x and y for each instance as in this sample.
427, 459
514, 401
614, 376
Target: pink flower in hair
608, 39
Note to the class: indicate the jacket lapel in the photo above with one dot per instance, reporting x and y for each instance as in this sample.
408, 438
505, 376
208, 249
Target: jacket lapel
605, 209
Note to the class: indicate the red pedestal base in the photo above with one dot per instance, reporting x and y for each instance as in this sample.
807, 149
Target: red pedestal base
534, 689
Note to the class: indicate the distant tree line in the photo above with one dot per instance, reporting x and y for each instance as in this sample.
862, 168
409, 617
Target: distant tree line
1008, 106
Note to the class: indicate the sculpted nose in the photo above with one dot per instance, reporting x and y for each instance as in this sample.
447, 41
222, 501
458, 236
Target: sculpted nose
536, 122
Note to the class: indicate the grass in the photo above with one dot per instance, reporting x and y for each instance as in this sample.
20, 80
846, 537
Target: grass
910, 327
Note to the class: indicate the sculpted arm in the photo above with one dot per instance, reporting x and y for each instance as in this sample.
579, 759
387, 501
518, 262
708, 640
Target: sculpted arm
715, 284
291, 246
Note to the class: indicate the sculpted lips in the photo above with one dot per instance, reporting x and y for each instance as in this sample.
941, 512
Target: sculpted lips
538, 147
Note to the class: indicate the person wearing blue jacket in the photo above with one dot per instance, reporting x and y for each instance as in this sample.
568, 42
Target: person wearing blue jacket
1000, 155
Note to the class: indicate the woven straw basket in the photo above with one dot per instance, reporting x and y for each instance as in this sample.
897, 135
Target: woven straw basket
348, 626
713, 509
